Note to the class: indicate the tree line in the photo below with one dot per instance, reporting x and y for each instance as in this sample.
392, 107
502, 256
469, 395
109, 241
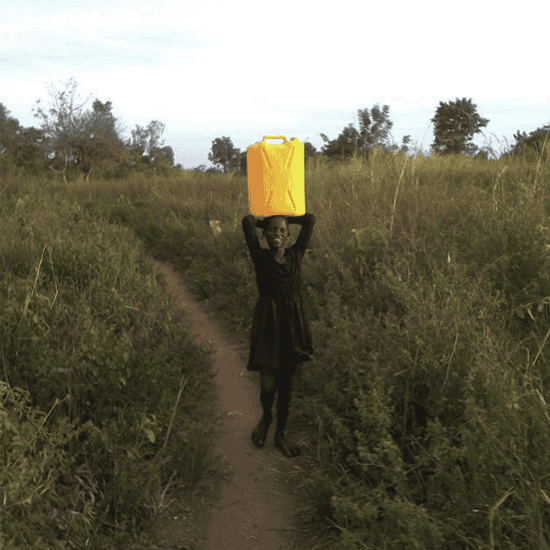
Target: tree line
455, 124
72, 137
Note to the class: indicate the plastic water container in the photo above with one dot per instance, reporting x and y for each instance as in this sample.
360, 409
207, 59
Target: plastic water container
276, 178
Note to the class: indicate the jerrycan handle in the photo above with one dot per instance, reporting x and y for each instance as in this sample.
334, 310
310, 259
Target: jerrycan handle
275, 137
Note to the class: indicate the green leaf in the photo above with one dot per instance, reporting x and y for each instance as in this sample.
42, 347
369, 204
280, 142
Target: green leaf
150, 434
519, 312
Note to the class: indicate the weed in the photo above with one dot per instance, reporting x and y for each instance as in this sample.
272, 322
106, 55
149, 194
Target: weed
424, 411
91, 349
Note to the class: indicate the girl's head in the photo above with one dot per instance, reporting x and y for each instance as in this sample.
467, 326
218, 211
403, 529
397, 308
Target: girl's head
275, 229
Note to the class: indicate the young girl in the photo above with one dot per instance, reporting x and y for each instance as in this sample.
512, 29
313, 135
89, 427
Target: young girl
281, 335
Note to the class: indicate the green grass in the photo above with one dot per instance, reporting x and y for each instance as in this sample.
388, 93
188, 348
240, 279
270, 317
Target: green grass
424, 414
92, 355
425, 401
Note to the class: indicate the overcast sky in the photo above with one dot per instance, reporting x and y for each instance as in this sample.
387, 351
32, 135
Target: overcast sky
249, 68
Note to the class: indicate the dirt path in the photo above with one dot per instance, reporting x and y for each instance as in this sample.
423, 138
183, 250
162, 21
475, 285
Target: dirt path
251, 503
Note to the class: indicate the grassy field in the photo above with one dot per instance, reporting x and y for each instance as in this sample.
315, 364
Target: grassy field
101, 390
424, 412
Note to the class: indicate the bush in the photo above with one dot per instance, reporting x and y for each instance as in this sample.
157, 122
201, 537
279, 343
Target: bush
101, 383
428, 281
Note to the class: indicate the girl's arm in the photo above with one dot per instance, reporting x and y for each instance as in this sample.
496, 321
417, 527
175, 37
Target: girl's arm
249, 224
307, 221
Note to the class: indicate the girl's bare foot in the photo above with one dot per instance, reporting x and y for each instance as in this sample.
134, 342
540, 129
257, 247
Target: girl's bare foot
259, 433
285, 446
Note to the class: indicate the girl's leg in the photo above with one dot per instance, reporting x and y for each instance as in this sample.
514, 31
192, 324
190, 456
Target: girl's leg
267, 396
284, 387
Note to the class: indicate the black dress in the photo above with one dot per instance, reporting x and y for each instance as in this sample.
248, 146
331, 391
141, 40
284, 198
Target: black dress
281, 334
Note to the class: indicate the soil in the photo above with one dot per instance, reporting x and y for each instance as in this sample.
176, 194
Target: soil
249, 497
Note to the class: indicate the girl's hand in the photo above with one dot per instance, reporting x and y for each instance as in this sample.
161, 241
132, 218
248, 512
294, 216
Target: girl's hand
298, 220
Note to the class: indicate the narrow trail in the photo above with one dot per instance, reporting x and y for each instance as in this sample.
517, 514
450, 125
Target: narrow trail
253, 504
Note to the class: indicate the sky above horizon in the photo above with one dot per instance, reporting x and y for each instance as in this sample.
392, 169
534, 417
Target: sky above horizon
245, 69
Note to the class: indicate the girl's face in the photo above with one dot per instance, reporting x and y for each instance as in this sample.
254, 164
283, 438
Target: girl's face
276, 233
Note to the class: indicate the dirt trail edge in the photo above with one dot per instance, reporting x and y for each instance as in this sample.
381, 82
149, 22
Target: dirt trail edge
253, 504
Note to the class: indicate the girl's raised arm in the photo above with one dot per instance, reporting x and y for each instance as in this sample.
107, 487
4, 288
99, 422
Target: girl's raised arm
249, 224
307, 221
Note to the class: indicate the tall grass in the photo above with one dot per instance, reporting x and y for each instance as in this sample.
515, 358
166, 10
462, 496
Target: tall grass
94, 430
425, 409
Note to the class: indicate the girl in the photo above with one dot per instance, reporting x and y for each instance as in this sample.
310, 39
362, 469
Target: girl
281, 335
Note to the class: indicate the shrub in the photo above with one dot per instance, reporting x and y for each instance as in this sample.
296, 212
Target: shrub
101, 382
427, 395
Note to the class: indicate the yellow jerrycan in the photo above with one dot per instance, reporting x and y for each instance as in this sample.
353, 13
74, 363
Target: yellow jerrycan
276, 178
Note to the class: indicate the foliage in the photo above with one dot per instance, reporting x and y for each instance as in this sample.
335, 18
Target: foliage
309, 150
61, 122
424, 414
535, 142
375, 126
27, 463
97, 144
76, 144
28, 148
147, 147
101, 385
224, 154
9, 126
24, 145
455, 124
374, 130
91, 141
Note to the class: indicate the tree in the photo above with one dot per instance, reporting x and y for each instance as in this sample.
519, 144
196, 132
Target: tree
9, 128
344, 145
309, 150
61, 123
225, 155
145, 143
455, 124
374, 129
483, 154
96, 144
239, 162
165, 155
89, 140
536, 142
405, 143
28, 149
25, 146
